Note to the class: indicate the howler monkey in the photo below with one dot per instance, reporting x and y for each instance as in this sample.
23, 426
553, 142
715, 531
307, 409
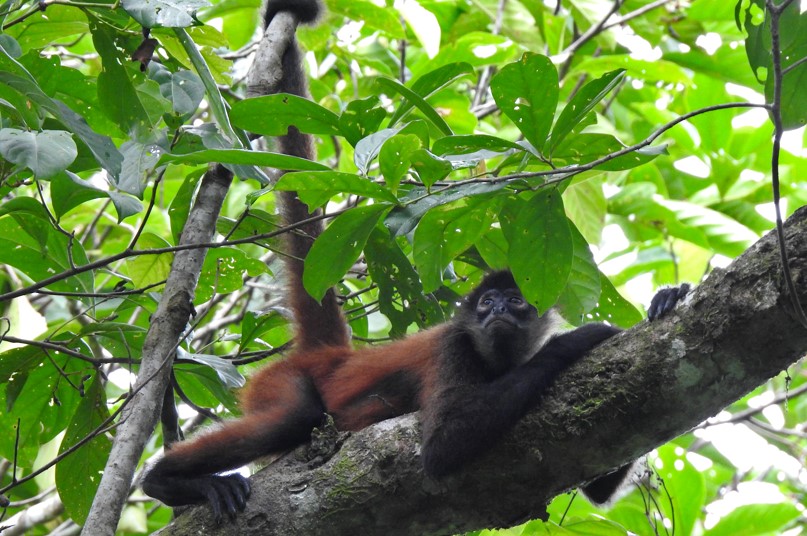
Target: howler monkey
472, 378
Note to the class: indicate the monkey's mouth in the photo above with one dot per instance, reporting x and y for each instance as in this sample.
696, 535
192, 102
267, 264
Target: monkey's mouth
500, 322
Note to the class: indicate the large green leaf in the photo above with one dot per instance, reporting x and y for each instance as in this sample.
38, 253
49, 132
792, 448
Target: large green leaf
541, 251
527, 92
445, 232
272, 115
361, 118
116, 92
338, 247
375, 16
404, 218
45, 153
432, 82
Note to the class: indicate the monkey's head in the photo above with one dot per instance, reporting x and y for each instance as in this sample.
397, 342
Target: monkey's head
505, 328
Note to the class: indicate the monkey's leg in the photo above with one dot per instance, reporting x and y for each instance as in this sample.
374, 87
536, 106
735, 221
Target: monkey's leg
187, 472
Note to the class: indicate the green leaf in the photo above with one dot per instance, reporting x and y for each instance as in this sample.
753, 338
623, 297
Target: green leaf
724, 235
498, 49
445, 232
585, 148
243, 157
69, 191
452, 145
395, 158
164, 13
255, 325
657, 70
204, 386
45, 153
586, 207
79, 474
43, 401
145, 270
402, 298
582, 103
20, 360
16, 76
31, 216
226, 371
583, 289
315, 188
139, 160
183, 88
122, 340
37, 262
527, 92
223, 272
540, 247
753, 519
370, 147
387, 84
404, 218
338, 247
360, 119
430, 167
181, 204
272, 115
116, 93
432, 82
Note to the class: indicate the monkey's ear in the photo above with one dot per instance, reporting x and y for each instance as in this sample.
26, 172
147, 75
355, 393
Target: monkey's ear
665, 301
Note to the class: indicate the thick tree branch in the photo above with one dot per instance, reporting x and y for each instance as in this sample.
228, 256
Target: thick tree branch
166, 330
637, 391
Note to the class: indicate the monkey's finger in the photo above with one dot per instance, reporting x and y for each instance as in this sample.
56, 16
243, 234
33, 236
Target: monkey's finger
224, 498
240, 489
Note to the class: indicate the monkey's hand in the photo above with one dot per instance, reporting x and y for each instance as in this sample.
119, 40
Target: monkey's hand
226, 493
665, 301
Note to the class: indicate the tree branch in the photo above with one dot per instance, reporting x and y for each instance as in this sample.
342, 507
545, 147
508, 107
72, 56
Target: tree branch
635, 392
166, 331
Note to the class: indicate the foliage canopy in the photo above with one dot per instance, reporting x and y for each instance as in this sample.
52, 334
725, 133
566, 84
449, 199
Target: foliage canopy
596, 148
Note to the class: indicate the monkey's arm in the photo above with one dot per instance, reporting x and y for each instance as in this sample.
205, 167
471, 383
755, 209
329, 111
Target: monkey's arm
468, 416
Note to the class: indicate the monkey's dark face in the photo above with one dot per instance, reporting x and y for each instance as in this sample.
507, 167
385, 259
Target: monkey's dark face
503, 311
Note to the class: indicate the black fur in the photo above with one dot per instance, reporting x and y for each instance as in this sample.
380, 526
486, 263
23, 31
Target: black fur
665, 300
306, 11
471, 412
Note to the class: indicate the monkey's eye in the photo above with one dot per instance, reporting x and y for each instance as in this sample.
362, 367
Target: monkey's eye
487, 301
516, 300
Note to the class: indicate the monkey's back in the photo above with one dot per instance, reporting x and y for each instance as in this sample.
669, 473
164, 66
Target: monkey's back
358, 387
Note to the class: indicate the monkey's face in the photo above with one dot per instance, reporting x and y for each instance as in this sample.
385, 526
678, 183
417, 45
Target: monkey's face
503, 312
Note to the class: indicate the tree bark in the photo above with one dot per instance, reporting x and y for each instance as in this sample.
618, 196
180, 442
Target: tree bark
635, 392
168, 325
